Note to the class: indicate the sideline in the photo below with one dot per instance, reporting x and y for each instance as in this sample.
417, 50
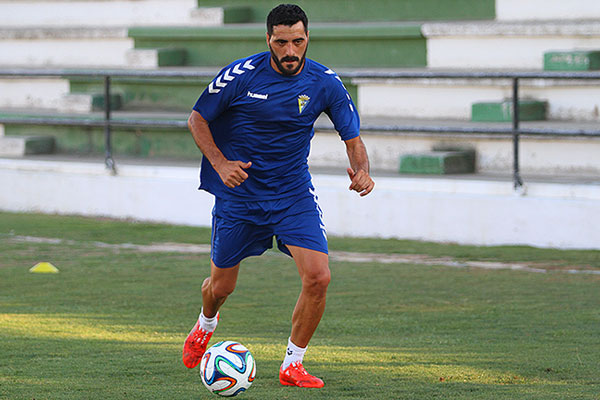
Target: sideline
345, 256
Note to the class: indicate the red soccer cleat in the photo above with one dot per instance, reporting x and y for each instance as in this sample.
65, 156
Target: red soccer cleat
296, 375
195, 345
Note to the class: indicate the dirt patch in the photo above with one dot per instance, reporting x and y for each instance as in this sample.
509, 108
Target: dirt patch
421, 259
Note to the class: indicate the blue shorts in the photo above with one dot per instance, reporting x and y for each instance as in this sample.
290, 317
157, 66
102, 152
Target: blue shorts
242, 229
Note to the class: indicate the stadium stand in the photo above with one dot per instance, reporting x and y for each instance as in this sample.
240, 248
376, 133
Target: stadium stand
431, 35
349, 36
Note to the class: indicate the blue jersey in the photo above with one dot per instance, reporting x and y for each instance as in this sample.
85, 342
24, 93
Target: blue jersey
257, 114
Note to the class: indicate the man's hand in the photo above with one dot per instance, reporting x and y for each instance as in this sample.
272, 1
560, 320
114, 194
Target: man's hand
361, 181
233, 173
359, 166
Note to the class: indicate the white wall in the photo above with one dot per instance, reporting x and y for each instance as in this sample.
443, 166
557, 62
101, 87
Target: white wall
164, 194
547, 9
445, 210
98, 13
467, 212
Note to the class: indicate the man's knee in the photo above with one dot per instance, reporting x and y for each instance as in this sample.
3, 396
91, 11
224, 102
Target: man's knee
220, 289
317, 281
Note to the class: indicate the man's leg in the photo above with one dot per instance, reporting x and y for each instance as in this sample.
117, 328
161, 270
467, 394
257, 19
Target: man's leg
215, 291
313, 267
217, 287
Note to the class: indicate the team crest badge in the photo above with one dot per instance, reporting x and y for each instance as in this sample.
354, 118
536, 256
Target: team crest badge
302, 102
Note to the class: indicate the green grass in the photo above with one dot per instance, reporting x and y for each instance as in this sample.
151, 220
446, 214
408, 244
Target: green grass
111, 324
111, 231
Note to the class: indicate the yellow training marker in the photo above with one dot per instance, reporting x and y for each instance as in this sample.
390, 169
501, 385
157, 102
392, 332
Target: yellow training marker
44, 268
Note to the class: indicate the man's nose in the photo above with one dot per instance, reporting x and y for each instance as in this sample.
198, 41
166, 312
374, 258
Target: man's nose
289, 49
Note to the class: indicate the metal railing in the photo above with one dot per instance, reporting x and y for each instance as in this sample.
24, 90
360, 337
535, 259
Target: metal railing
108, 123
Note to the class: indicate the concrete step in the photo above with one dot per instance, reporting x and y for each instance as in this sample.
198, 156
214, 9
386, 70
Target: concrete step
85, 103
81, 94
81, 47
373, 10
18, 146
150, 93
502, 111
403, 98
567, 99
236, 14
349, 45
113, 13
49, 94
543, 155
81, 140
335, 45
539, 10
32, 93
70, 47
439, 162
77, 13
81, 103
166, 94
507, 44
572, 60
156, 58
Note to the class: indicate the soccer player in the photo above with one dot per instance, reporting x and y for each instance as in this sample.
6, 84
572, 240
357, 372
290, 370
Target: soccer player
253, 124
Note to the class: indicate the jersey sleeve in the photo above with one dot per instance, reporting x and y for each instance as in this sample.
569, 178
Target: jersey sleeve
218, 95
341, 110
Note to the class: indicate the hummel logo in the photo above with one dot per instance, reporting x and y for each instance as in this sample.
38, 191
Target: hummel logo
257, 96
222, 80
289, 352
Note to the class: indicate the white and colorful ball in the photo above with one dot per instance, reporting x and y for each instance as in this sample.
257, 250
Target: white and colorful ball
227, 368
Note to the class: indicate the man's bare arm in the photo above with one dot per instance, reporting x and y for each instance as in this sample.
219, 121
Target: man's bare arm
359, 167
232, 173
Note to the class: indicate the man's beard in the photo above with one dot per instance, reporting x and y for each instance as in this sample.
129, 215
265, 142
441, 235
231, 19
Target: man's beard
284, 70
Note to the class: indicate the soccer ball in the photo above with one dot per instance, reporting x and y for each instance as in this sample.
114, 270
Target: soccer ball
227, 368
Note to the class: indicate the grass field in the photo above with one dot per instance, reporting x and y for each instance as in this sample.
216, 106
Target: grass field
111, 324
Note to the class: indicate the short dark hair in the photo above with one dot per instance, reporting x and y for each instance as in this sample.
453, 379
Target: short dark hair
286, 14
